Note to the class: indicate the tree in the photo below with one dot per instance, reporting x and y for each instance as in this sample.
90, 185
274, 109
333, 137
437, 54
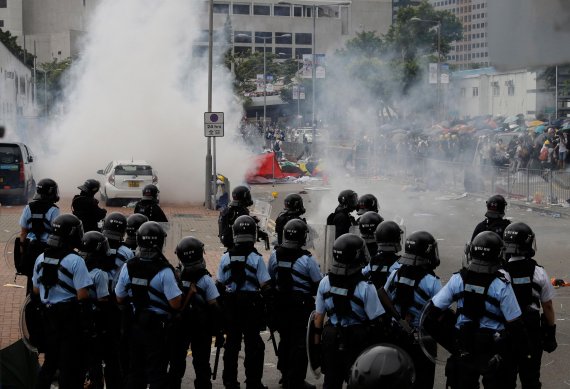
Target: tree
9, 41
53, 83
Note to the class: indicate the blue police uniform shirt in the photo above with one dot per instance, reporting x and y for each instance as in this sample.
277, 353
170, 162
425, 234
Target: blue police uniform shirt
500, 290
255, 261
126, 253
164, 282
430, 285
100, 287
206, 287
305, 265
75, 265
26, 222
367, 269
364, 291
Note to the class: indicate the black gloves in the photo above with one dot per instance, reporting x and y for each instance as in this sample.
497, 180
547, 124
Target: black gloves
549, 343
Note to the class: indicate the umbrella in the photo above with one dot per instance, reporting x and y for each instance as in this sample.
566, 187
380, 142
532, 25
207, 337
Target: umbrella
535, 123
539, 129
511, 119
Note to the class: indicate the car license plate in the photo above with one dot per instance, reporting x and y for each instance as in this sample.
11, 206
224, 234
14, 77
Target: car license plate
133, 184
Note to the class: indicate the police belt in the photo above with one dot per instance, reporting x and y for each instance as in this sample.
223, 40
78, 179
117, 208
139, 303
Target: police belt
151, 320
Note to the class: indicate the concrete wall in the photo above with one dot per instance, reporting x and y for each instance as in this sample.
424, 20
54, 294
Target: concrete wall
12, 17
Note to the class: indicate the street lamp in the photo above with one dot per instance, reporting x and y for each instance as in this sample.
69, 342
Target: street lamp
438, 26
45, 72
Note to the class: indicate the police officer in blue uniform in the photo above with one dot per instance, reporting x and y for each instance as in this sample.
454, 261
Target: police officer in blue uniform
341, 217
35, 224
533, 290
103, 348
388, 237
487, 310
86, 207
245, 282
134, 221
296, 276
293, 210
200, 317
367, 224
114, 228
241, 199
61, 281
148, 205
494, 217
353, 308
409, 288
148, 282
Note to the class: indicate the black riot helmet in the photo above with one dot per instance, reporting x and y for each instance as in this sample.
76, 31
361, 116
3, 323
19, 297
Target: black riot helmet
421, 249
486, 247
496, 207
294, 203
90, 187
348, 199
150, 192
519, 240
66, 231
388, 235
95, 243
46, 189
382, 366
242, 196
190, 251
134, 221
150, 237
244, 230
114, 226
295, 234
367, 202
349, 253
367, 224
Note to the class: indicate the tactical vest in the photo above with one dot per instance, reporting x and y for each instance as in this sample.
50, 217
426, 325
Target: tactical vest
114, 253
476, 293
380, 265
342, 292
240, 270
188, 277
522, 274
140, 275
51, 266
281, 220
39, 221
226, 220
372, 247
407, 285
497, 225
286, 259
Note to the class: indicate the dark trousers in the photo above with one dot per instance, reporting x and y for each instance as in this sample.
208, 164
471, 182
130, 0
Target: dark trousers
528, 369
425, 368
105, 350
464, 372
148, 354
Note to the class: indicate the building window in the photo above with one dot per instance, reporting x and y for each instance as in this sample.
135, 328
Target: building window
283, 38
1, 23
243, 50
300, 51
284, 52
496, 88
264, 10
303, 38
221, 8
241, 9
242, 37
298, 11
462, 92
259, 49
510, 88
3, 3
282, 10
259, 37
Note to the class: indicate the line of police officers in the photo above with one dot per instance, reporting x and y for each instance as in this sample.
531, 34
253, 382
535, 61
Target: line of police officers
137, 316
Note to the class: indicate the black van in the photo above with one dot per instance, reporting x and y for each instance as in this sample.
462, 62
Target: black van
16, 172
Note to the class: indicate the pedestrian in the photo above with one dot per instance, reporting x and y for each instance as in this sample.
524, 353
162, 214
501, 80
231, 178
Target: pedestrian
86, 207
245, 282
35, 223
533, 290
134, 221
200, 318
562, 150
148, 205
367, 224
353, 310
388, 237
296, 275
494, 217
293, 210
487, 321
149, 283
61, 282
241, 199
409, 289
341, 218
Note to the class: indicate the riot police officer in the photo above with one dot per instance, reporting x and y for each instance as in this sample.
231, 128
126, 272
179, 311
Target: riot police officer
61, 281
293, 210
494, 217
114, 228
134, 221
200, 318
148, 205
241, 199
353, 308
341, 217
367, 224
486, 308
103, 349
533, 290
367, 203
244, 278
86, 207
296, 275
382, 366
148, 281
388, 237
409, 288
35, 224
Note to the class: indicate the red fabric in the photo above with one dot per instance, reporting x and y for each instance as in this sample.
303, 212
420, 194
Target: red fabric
266, 165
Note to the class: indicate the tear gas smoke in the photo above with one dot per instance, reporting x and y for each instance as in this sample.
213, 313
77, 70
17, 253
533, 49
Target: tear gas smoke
136, 92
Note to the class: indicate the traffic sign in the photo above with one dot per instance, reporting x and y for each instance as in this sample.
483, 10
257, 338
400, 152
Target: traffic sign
214, 124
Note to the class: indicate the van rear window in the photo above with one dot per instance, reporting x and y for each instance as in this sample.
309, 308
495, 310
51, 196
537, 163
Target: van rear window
10, 155
133, 170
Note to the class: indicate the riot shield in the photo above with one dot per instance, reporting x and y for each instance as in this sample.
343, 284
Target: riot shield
320, 241
436, 343
262, 210
30, 325
12, 256
313, 352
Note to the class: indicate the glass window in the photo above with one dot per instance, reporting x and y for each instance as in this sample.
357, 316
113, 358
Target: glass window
242, 37
245, 50
259, 49
133, 170
221, 8
3, 4
284, 52
260, 35
282, 10
1, 23
262, 10
283, 38
297, 11
241, 9
300, 51
303, 38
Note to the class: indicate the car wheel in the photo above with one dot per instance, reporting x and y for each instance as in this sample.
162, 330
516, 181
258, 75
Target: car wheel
109, 202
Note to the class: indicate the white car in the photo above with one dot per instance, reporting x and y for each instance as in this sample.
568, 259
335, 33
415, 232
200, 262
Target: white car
124, 179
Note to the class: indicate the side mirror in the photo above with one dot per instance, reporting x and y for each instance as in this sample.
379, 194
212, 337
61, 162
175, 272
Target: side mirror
30, 159
100, 171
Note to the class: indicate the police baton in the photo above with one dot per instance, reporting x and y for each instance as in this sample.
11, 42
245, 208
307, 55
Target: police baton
216, 362
273, 341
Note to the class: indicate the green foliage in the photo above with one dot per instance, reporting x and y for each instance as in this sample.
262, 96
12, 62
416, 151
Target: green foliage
51, 77
9, 41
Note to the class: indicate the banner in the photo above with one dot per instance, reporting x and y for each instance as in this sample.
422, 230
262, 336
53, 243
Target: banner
259, 83
307, 69
295, 92
298, 92
302, 92
444, 73
432, 73
320, 66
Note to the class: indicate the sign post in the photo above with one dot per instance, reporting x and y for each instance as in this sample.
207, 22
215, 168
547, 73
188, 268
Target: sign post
213, 128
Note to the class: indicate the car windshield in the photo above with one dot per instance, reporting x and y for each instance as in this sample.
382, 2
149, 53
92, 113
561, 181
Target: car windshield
133, 170
9, 154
